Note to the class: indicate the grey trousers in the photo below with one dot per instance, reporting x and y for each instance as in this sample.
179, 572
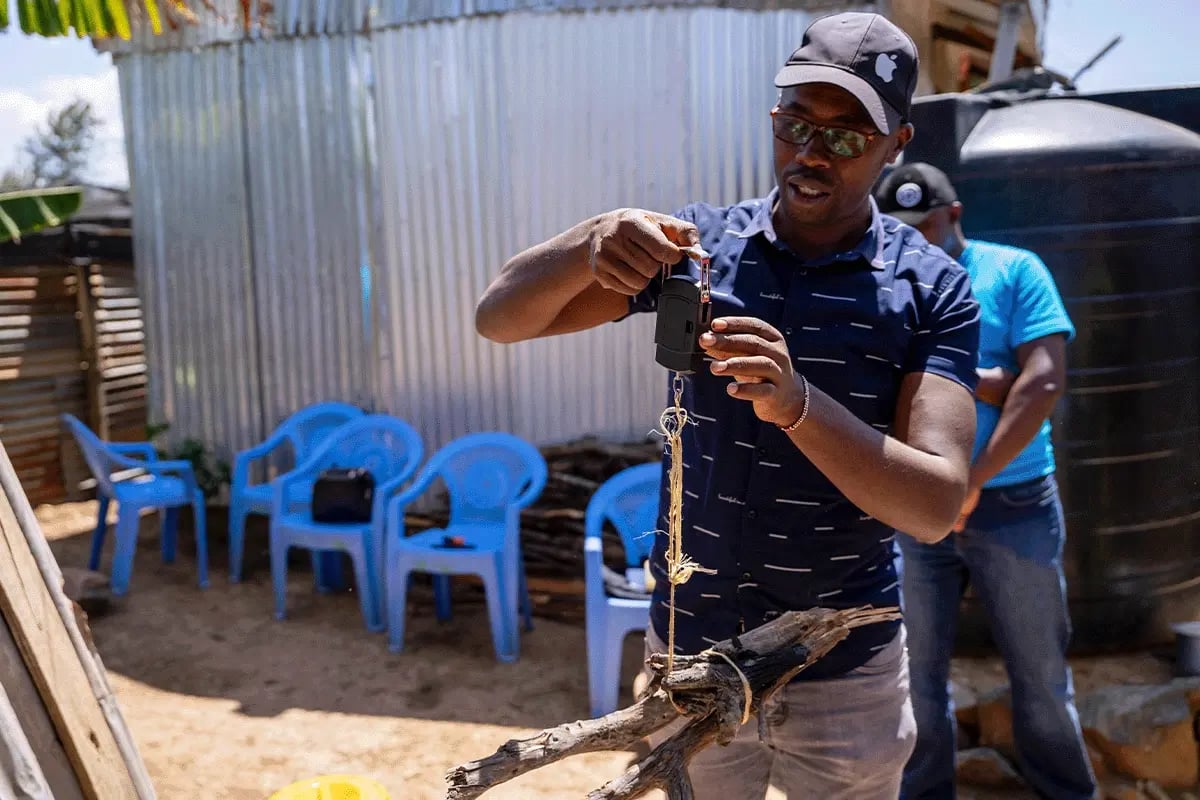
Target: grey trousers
846, 738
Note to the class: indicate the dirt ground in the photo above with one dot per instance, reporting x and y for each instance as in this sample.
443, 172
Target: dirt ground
226, 702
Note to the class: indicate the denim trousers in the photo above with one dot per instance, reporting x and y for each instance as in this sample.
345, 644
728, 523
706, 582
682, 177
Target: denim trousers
1011, 554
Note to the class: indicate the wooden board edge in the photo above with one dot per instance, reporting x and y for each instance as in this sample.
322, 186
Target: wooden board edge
94, 732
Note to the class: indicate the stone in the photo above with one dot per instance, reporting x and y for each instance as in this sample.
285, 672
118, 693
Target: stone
1146, 732
1099, 768
88, 589
982, 766
965, 701
994, 712
1121, 790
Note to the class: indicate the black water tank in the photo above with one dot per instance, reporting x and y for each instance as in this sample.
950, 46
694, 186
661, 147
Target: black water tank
1110, 199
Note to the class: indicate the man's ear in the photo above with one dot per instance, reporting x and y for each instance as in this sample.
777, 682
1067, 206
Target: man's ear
956, 212
903, 137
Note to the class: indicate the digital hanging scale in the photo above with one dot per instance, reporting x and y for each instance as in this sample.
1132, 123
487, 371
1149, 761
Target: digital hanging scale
684, 312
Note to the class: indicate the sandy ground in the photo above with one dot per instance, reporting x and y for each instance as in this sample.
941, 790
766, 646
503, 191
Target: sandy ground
226, 702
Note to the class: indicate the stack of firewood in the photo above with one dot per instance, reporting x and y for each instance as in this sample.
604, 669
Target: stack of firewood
552, 529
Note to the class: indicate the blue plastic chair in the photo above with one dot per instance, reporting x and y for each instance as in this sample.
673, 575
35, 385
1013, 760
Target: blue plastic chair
629, 500
302, 432
391, 450
137, 484
489, 478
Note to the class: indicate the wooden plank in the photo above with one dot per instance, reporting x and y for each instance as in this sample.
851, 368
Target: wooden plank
96, 419
48, 751
55, 666
87, 659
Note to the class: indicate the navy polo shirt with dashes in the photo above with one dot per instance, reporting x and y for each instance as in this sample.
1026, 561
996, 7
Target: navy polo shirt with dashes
778, 533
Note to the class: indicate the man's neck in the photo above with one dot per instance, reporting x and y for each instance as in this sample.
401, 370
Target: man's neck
819, 241
957, 245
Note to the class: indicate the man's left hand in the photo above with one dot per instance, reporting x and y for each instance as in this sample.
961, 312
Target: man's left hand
968, 508
756, 356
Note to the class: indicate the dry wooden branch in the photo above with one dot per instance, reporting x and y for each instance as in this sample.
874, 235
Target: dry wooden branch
708, 689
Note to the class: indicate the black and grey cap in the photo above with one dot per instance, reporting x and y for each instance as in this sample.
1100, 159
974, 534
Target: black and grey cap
866, 55
911, 191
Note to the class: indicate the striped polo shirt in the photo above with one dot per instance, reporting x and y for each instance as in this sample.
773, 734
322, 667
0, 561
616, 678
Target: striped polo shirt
778, 533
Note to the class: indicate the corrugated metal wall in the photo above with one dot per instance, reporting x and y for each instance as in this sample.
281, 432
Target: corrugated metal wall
310, 183
316, 217
184, 129
225, 21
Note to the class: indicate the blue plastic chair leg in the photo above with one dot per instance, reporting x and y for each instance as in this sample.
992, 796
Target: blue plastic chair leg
398, 578
604, 667
200, 524
123, 552
523, 601
98, 534
504, 636
169, 534
441, 597
237, 539
365, 582
279, 552
327, 571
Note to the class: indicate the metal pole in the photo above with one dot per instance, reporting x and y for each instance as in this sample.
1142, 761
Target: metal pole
1005, 51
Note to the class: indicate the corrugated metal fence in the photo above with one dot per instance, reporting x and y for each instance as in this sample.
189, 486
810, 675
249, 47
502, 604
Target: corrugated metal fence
317, 216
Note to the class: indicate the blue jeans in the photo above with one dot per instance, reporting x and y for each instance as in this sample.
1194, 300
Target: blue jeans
1011, 552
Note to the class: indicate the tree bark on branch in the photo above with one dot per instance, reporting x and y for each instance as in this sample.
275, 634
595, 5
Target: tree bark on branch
704, 688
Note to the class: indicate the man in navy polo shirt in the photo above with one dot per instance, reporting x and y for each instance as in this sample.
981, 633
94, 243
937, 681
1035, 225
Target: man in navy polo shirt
1009, 538
837, 406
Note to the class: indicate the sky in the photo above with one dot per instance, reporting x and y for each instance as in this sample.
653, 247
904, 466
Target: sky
39, 75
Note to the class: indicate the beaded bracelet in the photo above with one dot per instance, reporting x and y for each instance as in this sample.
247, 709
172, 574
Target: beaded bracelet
803, 411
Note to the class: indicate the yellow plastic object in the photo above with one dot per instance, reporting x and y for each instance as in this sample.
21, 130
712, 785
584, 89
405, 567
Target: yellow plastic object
333, 787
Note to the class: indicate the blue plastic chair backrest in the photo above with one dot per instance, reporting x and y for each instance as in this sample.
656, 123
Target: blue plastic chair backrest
96, 454
308, 428
486, 473
629, 500
386, 446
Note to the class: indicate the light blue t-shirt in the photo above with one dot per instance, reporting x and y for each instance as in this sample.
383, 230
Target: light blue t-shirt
1018, 303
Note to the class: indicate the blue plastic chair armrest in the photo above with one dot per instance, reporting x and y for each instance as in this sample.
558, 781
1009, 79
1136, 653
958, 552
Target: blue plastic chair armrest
177, 465
178, 469
245, 458
143, 449
384, 492
418, 487
394, 525
284, 483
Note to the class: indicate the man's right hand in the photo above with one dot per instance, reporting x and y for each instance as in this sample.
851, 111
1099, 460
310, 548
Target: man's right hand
628, 247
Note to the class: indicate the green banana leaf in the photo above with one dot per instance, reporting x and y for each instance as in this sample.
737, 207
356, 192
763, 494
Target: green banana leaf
101, 19
33, 209
96, 18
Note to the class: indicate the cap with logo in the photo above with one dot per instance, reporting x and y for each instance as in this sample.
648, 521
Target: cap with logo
910, 191
866, 55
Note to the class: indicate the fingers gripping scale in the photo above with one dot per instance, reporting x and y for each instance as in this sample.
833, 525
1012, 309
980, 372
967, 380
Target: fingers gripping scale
684, 312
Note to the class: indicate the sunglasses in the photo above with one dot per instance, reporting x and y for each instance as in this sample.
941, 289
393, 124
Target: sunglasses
839, 141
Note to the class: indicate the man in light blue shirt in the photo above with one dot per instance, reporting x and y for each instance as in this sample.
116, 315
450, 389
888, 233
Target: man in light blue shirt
1008, 540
